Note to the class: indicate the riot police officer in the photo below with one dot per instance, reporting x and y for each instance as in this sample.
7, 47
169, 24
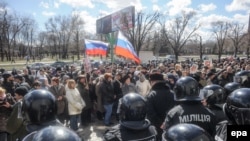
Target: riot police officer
39, 111
186, 132
190, 108
243, 77
213, 98
237, 110
133, 125
56, 133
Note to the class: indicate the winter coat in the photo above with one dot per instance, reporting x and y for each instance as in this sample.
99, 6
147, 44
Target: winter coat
143, 86
75, 101
5, 112
107, 92
159, 101
99, 105
59, 91
85, 95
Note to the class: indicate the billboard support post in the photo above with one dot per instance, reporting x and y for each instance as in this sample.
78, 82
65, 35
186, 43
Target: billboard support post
111, 38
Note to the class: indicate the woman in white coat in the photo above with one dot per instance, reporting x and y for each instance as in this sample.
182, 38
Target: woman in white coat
75, 103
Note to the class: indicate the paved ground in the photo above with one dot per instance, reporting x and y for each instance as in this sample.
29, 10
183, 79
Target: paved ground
93, 132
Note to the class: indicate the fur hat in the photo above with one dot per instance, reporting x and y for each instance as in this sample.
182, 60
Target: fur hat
156, 76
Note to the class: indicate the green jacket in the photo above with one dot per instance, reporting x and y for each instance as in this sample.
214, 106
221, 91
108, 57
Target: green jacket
15, 125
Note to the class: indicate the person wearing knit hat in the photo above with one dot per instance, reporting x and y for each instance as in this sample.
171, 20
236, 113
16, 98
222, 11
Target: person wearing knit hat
15, 125
159, 101
20, 91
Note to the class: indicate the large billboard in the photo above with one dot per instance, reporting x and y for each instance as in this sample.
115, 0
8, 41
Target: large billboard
119, 20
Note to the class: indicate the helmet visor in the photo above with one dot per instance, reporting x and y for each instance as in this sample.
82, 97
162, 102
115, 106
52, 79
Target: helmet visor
241, 115
237, 79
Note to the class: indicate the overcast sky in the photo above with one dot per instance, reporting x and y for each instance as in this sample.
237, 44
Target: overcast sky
90, 10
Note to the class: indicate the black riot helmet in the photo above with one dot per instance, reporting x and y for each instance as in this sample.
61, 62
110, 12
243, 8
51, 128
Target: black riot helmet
187, 89
237, 107
39, 106
133, 107
56, 133
214, 94
186, 132
242, 76
230, 87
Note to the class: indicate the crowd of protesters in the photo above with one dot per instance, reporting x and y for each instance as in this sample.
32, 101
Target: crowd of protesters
81, 95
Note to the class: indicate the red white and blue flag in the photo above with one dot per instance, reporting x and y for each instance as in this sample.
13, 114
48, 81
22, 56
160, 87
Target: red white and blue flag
125, 49
95, 47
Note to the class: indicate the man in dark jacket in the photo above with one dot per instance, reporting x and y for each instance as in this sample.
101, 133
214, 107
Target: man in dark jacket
15, 125
108, 97
83, 88
6, 104
159, 101
118, 92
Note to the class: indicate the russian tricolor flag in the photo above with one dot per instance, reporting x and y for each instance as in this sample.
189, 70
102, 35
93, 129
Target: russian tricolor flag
95, 47
125, 48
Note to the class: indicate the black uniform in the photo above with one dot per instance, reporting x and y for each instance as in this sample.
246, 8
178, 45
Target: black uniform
218, 112
131, 131
237, 111
191, 112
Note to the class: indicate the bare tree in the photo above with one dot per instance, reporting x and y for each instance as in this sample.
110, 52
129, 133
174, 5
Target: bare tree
143, 27
41, 43
220, 30
59, 27
3, 29
236, 34
199, 42
28, 36
14, 26
78, 31
179, 32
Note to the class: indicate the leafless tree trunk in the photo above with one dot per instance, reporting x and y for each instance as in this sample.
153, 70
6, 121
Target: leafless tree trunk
236, 34
78, 32
220, 30
198, 40
3, 32
144, 24
59, 27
